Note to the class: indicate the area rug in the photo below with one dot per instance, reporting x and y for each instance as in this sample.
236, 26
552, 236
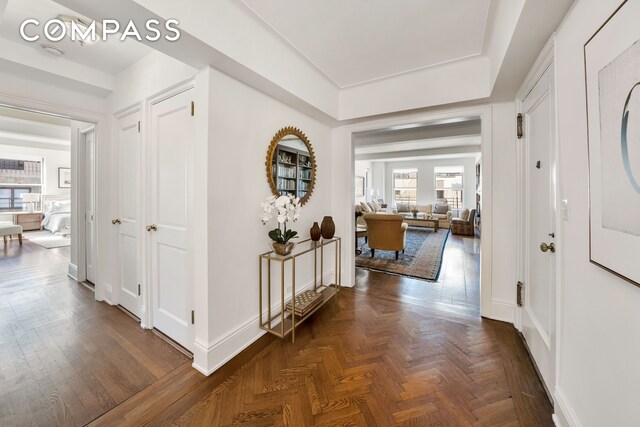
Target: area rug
48, 240
422, 256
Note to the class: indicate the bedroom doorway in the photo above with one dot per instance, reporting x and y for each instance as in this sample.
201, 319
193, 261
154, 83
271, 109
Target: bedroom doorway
47, 188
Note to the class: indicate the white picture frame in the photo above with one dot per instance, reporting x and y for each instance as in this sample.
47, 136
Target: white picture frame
612, 82
64, 177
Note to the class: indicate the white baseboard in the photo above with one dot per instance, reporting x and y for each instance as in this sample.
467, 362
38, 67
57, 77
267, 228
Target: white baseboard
564, 415
209, 357
72, 271
501, 310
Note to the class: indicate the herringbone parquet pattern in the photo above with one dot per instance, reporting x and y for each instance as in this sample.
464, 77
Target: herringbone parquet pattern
380, 363
370, 361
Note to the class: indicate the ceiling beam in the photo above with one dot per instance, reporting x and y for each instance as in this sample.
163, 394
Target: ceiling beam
25, 56
457, 151
419, 132
195, 52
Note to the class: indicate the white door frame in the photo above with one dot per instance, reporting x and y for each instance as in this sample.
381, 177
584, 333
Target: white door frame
81, 200
544, 61
344, 152
103, 279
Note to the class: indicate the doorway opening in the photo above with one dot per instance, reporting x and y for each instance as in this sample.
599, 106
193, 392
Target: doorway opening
417, 206
45, 191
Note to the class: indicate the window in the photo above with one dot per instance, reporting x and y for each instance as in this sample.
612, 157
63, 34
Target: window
449, 187
405, 187
16, 178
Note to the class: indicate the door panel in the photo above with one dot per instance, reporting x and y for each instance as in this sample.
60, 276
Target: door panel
538, 313
129, 165
171, 134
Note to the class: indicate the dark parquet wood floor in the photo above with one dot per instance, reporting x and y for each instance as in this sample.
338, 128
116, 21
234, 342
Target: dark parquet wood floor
66, 359
392, 352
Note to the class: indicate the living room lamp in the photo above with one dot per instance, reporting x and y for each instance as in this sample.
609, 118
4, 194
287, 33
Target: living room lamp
30, 198
457, 187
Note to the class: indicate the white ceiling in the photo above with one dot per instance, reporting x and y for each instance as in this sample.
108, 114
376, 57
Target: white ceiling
356, 41
111, 56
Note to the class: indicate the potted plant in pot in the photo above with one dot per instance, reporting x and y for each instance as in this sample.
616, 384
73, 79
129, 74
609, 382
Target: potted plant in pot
284, 209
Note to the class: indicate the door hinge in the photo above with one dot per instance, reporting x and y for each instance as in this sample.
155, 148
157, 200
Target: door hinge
193, 108
519, 130
139, 290
519, 299
138, 126
193, 317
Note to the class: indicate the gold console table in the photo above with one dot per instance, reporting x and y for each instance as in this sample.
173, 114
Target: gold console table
288, 322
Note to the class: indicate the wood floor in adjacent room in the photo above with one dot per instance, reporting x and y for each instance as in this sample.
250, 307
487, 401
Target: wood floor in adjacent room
393, 351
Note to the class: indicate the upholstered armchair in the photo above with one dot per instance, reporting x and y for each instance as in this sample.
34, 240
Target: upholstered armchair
386, 232
464, 225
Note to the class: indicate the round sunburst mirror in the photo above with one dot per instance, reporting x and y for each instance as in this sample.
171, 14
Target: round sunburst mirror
291, 164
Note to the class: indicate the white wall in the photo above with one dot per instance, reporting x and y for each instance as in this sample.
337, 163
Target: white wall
426, 179
378, 179
364, 169
53, 159
599, 329
243, 122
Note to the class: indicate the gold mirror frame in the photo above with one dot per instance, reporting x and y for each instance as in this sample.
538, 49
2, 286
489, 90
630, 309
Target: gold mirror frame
289, 130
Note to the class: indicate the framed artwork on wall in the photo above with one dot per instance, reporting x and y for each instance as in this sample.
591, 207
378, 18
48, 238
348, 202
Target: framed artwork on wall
64, 177
360, 186
612, 76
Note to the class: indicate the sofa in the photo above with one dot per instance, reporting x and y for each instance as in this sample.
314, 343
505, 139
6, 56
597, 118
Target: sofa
386, 232
437, 210
365, 208
465, 224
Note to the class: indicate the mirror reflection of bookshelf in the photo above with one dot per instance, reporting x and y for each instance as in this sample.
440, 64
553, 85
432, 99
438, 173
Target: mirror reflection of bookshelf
292, 171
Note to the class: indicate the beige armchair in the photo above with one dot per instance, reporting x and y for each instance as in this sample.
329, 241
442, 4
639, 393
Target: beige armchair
386, 232
464, 225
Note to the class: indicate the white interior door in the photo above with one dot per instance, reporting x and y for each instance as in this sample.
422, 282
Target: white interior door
89, 141
128, 219
170, 135
539, 305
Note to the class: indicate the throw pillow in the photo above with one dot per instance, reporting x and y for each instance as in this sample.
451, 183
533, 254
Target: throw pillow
375, 206
464, 215
403, 207
365, 207
441, 209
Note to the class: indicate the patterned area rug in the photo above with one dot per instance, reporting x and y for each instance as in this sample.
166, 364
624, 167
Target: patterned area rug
422, 256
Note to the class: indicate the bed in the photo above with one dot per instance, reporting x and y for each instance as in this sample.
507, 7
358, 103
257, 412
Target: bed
56, 211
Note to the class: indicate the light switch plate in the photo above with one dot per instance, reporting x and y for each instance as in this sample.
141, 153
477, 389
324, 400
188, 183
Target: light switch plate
564, 209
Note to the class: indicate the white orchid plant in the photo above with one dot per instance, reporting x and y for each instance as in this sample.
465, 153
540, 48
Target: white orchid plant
284, 209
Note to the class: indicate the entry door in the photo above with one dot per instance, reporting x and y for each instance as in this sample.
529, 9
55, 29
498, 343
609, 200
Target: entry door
89, 141
538, 311
170, 138
128, 220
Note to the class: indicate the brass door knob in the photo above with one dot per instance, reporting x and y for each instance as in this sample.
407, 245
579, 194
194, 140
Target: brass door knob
550, 247
116, 221
152, 227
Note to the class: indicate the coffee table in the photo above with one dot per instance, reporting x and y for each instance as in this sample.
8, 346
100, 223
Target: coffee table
429, 222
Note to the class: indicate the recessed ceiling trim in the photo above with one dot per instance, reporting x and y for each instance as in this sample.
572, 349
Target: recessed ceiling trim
255, 14
276, 16
402, 73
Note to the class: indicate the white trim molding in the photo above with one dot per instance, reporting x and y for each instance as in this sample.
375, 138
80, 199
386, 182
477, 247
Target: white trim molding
564, 415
